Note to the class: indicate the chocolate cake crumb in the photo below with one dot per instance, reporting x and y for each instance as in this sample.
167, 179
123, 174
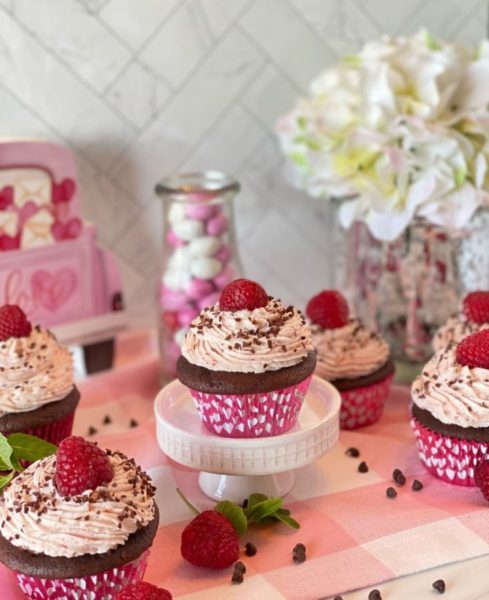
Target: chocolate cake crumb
353, 452
439, 586
363, 467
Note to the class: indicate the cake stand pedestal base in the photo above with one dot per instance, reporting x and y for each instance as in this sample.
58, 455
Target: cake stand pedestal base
238, 487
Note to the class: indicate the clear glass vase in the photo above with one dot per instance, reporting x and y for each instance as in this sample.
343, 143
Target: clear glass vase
200, 253
409, 287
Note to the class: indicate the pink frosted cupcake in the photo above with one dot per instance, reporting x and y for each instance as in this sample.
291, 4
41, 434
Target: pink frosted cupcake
78, 524
247, 362
473, 317
450, 410
37, 391
353, 358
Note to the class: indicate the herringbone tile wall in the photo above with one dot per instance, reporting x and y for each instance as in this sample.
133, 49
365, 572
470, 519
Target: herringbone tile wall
142, 88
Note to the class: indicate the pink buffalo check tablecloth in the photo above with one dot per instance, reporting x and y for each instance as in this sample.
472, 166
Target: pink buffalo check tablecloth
355, 536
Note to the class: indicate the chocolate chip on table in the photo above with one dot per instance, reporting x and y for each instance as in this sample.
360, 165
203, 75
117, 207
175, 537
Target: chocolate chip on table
439, 586
362, 467
338, 598
240, 567
107, 420
133, 423
390, 492
245, 503
398, 477
417, 485
375, 595
353, 452
92, 430
299, 553
250, 549
237, 577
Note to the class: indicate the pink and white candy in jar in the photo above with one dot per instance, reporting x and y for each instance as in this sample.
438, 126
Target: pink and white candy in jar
200, 253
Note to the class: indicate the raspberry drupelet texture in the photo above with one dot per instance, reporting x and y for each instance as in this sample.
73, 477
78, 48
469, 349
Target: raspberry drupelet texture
473, 350
80, 466
476, 307
329, 309
13, 322
242, 294
210, 541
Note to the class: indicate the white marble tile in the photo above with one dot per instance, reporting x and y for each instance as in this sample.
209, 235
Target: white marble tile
76, 37
76, 114
135, 24
392, 17
92, 6
293, 46
191, 114
343, 26
102, 202
218, 148
18, 121
269, 96
138, 93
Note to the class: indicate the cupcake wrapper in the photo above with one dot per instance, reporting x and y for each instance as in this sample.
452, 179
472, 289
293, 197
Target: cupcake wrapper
451, 459
251, 415
102, 586
54, 432
364, 405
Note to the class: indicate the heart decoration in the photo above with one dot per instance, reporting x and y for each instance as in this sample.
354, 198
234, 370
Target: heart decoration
67, 231
29, 209
52, 290
8, 242
63, 192
6, 197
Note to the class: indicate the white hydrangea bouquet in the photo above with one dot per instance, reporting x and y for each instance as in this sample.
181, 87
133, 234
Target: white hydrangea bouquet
398, 131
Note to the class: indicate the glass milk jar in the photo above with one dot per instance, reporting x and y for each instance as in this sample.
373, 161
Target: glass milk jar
200, 254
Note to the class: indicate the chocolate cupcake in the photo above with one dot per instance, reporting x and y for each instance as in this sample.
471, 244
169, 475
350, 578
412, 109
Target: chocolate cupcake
94, 540
450, 410
37, 391
473, 317
353, 358
247, 362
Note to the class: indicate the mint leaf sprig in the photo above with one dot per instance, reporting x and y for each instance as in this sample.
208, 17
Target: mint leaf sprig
259, 509
19, 447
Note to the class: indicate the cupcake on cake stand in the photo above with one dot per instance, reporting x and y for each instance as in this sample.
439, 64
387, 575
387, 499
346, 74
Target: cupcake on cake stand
247, 365
234, 468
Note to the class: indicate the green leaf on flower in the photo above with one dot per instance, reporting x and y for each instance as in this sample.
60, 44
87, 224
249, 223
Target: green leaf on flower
299, 159
6, 479
353, 60
5, 454
431, 42
30, 447
301, 122
460, 176
234, 513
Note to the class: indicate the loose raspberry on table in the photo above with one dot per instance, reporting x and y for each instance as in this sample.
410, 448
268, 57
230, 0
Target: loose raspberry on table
476, 307
143, 591
210, 541
329, 309
242, 294
473, 350
80, 466
13, 322
481, 478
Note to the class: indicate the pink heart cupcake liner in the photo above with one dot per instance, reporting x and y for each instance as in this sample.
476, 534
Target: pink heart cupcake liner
263, 414
450, 459
54, 432
102, 586
364, 405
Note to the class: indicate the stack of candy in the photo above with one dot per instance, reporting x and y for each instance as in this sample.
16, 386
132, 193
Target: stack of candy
199, 264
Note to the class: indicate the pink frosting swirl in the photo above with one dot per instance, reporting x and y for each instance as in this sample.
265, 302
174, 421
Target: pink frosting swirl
454, 394
34, 371
348, 352
455, 330
248, 341
92, 523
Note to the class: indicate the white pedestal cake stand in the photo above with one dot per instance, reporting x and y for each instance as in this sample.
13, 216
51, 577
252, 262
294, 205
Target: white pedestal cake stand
234, 468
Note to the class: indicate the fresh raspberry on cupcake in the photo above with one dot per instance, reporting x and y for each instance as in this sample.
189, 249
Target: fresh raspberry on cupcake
473, 317
247, 345
37, 390
450, 409
351, 356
